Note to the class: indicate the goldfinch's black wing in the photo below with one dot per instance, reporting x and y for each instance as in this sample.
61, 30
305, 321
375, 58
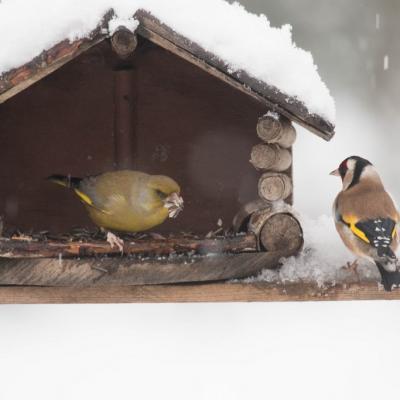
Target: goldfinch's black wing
380, 233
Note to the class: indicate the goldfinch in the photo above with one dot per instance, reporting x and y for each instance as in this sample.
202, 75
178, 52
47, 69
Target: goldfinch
366, 217
128, 201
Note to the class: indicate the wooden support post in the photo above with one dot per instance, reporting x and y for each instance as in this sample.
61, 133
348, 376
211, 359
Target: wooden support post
270, 157
124, 103
274, 186
123, 43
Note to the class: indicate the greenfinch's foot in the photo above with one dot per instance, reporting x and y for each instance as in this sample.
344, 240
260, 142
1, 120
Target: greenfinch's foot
114, 240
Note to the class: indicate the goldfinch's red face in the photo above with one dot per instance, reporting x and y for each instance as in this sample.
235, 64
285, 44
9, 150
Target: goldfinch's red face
347, 165
342, 170
350, 170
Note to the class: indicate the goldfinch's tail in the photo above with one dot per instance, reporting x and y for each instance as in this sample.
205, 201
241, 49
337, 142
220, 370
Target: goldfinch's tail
390, 279
69, 182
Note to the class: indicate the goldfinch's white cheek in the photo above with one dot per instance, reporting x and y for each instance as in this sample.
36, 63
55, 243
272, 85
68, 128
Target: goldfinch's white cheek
348, 178
351, 165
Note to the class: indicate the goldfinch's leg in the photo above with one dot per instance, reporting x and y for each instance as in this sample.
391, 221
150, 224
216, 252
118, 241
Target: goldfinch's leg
352, 266
114, 240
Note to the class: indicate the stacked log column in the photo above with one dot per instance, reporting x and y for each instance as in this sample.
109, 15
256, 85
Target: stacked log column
274, 156
270, 218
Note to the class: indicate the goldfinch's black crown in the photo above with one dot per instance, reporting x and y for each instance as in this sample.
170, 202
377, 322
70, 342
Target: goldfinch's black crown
359, 160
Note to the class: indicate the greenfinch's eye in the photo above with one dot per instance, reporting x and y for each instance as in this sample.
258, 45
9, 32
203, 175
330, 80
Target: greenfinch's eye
161, 194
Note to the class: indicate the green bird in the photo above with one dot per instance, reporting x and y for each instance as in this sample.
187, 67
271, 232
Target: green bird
128, 201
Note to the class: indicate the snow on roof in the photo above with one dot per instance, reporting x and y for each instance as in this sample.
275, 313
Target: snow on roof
243, 40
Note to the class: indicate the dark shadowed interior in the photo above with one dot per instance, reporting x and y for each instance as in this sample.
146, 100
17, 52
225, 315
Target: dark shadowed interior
187, 124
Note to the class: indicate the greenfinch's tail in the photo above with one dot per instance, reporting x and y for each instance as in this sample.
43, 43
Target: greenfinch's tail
69, 182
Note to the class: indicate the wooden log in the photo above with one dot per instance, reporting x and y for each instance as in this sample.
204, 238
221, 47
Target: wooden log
273, 128
124, 138
123, 42
270, 157
277, 230
275, 226
282, 233
273, 186
241, 219
13, 248
123, 271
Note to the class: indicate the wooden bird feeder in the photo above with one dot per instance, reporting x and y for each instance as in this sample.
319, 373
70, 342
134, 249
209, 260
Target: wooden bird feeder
154, 101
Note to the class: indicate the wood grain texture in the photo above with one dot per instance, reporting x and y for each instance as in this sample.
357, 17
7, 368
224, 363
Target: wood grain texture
17, 248
214, 292
122, 271
123, 42
124, 118
282, 233
270, 157
276, 130
274, 186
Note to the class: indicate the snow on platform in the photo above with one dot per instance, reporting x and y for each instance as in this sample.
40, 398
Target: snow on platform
321, 261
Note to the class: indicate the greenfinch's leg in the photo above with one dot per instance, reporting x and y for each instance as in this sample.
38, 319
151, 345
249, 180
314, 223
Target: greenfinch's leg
114, 240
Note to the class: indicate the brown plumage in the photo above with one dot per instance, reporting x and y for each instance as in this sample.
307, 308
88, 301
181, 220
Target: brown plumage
366, 217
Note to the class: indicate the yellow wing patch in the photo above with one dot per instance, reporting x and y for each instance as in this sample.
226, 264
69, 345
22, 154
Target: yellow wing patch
351, 222
84, 197
87, 200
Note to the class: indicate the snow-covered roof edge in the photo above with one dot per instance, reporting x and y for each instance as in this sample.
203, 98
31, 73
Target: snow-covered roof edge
17, 79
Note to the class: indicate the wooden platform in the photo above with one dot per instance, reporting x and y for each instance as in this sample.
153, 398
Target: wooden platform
184, 293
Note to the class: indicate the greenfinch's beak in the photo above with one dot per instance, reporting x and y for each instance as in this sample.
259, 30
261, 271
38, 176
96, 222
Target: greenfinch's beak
174, 204
335, 173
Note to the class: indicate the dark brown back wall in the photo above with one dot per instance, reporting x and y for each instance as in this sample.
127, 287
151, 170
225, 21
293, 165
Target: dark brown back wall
188, 125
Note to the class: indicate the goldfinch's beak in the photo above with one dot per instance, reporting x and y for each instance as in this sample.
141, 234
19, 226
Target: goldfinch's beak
174, 204
335, 173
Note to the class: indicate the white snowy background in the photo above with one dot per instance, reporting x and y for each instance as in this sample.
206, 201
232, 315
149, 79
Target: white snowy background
346, 350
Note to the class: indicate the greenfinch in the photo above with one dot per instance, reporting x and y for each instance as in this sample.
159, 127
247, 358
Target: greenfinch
128, 201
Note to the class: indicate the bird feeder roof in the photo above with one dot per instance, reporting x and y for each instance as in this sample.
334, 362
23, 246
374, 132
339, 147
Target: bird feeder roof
225, 40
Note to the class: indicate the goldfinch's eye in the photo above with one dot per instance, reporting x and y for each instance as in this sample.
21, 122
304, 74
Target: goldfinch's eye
161, 194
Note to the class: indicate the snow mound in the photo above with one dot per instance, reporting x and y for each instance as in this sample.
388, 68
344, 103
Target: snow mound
244, 41
322, 259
